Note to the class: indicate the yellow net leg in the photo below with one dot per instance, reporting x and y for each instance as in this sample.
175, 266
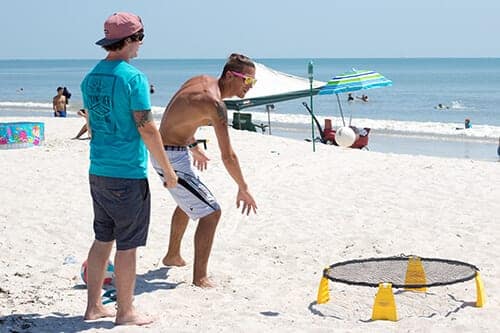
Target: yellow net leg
323, 292
384, 307
415, 274
481, 298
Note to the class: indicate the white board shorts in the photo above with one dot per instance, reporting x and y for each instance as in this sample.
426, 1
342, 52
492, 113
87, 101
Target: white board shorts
190, 194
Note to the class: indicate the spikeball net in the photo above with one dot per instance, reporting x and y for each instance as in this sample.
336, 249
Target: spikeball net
409, 272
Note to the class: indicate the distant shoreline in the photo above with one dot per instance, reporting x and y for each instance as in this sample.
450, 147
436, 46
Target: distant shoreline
410, 144
256, 58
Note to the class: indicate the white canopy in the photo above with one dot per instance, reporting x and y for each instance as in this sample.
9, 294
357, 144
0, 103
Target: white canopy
273, 86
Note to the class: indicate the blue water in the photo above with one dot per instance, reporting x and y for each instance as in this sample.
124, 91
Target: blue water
470, 87
419, 84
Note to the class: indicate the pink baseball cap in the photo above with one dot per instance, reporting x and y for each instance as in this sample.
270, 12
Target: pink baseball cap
119, 26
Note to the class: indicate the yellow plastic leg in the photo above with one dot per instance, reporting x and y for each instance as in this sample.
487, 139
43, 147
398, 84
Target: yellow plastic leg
384, 307
481, 298
415, 274
323, 292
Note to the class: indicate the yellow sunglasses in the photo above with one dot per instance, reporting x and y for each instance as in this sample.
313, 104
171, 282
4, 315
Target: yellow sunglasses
248, 79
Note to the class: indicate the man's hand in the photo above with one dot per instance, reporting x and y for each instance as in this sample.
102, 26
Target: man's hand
170, 179
200, 160
248, 202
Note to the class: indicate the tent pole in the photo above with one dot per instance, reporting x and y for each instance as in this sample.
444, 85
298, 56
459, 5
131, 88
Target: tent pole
269, 107
340, 108
310, 74
269, 121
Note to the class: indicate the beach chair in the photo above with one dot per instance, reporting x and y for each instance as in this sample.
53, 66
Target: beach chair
361, 135
243, 121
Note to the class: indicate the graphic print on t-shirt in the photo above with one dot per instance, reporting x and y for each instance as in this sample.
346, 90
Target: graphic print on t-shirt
100, 90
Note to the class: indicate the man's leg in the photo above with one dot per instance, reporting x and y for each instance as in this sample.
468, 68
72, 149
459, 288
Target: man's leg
96, 265
125, 274
177, 228
203, 240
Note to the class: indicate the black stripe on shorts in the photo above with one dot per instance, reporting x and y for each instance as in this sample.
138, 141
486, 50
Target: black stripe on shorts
184, 183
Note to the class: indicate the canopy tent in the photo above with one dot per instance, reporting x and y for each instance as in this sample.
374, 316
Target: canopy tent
273, 86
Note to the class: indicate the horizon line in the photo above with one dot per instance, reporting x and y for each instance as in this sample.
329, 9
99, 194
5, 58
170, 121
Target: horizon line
267, 58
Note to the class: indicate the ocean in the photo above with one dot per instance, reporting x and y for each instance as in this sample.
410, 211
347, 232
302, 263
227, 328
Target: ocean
403, 117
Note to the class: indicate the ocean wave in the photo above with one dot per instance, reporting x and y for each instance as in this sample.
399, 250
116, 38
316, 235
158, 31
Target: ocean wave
456, 130
289, 121
157, 110
458, 105
25, 105
455, 106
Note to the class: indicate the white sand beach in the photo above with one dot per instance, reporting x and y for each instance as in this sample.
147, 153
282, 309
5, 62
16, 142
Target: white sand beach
314, 209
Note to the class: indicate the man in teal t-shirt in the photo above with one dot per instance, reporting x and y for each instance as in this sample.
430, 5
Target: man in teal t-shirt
116, 95
111, 91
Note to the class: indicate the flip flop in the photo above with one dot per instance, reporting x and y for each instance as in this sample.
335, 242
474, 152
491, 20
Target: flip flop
109, 296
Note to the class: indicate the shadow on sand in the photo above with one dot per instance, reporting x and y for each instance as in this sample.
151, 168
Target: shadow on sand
63, 322
53, 322
154, 280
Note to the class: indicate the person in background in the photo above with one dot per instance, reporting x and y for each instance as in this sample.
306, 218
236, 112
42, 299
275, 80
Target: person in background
59, 103
467, 123
85, 127
498, 149
363, 97
350, 98
66, 94
151, 89
116, 97
199, 102
440, 106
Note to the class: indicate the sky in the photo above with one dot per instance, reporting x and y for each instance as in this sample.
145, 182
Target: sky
35, 29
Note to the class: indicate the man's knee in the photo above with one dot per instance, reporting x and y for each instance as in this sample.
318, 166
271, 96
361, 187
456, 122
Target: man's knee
179, 213
212, 217
130, 251
217, 214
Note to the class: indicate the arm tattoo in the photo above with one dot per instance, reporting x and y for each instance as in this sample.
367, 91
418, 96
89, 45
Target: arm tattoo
222, 112
141, 118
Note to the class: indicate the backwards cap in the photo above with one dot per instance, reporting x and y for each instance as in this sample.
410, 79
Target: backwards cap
119, 26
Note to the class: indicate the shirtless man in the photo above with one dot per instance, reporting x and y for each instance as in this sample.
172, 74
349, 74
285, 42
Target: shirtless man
199, 102
59, 103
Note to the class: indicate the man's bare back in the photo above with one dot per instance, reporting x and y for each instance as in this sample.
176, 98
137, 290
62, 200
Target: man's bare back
194, 105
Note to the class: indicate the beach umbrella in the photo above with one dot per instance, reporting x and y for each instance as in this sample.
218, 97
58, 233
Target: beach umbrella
353, 81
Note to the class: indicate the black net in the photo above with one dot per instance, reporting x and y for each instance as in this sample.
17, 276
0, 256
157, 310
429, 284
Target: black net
373, 271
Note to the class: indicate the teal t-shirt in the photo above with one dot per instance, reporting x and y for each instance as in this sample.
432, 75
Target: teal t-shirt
111, 92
